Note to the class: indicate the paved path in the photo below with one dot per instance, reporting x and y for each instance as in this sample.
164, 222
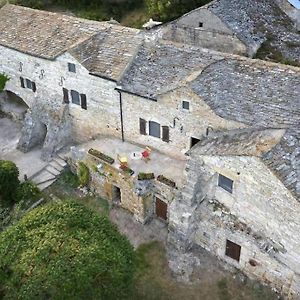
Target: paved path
136, 232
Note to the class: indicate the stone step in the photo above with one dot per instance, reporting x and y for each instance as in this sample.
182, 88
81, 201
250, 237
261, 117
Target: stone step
42, 177
62, 156
60, 161
46, 184
52, 170
56, 165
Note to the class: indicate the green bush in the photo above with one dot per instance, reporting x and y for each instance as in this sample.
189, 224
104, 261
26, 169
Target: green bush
166, 10
9, 182
65, 251
83, 174
28, 192
3, 80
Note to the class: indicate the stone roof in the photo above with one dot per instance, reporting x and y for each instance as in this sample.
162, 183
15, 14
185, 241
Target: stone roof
255, 20
105, 49
43, 34
109, 52
263, 95
158, 68
247, 142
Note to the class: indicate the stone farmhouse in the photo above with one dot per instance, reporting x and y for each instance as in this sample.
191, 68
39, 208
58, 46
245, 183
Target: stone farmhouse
222, 131
240, 27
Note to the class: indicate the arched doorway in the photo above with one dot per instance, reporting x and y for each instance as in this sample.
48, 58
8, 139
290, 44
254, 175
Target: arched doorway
13, 106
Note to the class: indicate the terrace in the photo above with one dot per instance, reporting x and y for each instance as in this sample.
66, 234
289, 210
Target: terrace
159, 164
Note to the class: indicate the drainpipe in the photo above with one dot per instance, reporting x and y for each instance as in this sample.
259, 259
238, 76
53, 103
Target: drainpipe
121, 115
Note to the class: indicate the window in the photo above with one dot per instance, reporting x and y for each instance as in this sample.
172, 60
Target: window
154, 129
200, 24
186, 105
194, 141
72, 68
27, 83
233, 250
66, 96
225, 183
75, 97
165, 134
143, 126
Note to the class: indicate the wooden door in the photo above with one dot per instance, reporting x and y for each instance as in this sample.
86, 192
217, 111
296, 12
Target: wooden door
161, 209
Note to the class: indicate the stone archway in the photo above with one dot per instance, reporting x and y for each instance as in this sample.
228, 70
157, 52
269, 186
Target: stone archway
13, 106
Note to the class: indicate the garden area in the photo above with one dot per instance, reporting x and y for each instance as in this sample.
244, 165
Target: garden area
68, 247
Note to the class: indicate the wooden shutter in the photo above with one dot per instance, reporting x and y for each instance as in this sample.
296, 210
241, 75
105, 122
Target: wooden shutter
233, 250
33, 87
66, 96
166, 134
143, 126
22, 82
161, 209
83, 101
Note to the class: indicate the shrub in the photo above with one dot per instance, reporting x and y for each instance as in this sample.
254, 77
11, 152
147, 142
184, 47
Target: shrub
145, 176
9, 182
65, 251
83, 174
28, 192
3, 80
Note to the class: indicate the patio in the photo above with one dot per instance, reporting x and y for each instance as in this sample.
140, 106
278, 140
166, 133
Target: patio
159, 164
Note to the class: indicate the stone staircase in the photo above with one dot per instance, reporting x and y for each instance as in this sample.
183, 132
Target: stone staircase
49, 174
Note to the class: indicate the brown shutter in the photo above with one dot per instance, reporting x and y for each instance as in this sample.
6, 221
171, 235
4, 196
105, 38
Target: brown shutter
33, 87
165, 134
22, 82
66, 96
143, 126
83, 101
233, 250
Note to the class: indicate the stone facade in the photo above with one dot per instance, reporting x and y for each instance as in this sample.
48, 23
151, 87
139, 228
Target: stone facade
214, 113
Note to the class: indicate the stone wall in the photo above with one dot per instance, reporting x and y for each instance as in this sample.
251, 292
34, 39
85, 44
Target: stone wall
212, 34
46, 104
168, 111
261, 216
137, 196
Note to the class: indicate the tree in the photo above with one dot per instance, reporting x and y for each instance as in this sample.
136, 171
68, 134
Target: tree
9, 182
3, 80
166, 10
65, 251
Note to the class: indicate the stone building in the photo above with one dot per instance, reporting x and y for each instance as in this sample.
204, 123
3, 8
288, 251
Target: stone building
224, 130
240, 27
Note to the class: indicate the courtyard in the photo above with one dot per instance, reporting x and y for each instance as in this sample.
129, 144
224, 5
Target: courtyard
28, 163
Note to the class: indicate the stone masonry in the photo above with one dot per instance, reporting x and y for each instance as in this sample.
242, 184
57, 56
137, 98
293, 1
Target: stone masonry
224, 129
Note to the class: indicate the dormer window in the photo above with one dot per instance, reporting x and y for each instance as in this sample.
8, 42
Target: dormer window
72, 67
225, 183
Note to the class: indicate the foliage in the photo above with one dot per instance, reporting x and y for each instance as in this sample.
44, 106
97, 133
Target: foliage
3, 80
101, 10
83, 174
69, 179
65, 251
27, 191
166, 10
101, 156
166, 181
145, 176
9, 182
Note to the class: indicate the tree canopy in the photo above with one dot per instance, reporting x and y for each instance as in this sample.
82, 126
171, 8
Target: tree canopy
64, 251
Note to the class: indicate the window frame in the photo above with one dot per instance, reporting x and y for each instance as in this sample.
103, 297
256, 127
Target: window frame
223, 184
